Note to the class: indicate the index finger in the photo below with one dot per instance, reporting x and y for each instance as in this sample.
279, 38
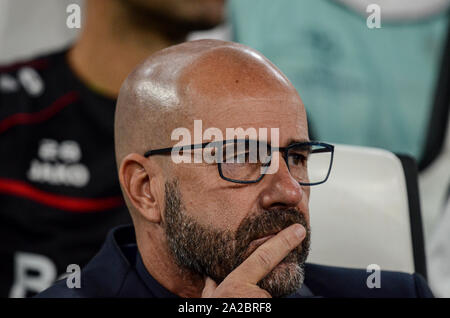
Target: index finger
267, 256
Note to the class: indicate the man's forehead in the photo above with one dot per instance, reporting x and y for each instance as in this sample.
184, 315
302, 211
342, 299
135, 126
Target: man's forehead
253, 112
231, 84
246, 116
227, 73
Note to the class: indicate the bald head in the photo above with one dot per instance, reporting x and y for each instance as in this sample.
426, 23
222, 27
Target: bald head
190, 81
191, 215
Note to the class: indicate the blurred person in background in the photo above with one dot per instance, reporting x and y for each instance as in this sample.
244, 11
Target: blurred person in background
58, 197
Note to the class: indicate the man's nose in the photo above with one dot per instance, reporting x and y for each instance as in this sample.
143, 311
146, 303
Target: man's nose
280, 188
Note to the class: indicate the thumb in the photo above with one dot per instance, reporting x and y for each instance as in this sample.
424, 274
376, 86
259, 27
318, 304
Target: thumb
210, 287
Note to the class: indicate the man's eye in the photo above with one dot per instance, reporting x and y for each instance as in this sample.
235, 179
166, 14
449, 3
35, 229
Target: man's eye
237, 158
298, 159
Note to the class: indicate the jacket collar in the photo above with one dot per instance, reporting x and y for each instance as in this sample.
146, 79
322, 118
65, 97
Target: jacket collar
121, 245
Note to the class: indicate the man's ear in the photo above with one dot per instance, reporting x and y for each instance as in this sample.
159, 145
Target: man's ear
137, 180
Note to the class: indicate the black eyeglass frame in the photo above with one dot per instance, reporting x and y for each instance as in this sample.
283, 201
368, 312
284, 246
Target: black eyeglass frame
283, 150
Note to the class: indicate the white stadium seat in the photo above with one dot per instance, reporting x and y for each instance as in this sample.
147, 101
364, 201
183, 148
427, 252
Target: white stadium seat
365, 214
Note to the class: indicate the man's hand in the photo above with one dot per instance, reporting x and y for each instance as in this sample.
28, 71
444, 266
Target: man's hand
242, 281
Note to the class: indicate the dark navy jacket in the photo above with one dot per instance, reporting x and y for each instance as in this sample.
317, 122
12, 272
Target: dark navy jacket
117, 271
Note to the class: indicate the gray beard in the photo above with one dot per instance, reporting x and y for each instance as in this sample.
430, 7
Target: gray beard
207, 251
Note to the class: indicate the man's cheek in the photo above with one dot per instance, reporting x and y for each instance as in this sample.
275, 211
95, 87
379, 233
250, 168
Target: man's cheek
226, 212
304, 205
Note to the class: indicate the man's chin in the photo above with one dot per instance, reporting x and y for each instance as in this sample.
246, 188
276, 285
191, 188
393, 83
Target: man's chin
284, 279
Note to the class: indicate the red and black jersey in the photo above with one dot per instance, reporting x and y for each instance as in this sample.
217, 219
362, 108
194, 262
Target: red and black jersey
59, 189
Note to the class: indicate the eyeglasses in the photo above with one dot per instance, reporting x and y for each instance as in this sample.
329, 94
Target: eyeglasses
247, 161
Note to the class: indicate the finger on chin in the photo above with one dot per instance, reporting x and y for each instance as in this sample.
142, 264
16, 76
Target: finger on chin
209, 288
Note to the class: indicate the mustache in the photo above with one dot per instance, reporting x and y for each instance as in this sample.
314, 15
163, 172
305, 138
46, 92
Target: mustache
267, 222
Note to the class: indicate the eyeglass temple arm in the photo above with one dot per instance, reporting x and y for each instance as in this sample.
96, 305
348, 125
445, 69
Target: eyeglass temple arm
178, 148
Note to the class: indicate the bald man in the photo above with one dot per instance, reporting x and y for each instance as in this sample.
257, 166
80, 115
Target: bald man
234, 227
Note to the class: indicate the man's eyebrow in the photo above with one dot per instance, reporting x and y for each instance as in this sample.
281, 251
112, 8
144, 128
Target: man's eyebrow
296, 140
